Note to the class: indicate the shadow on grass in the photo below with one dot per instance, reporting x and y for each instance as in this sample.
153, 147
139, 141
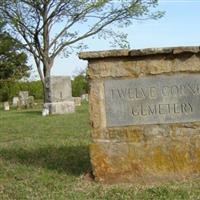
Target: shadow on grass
30, 112
68, 159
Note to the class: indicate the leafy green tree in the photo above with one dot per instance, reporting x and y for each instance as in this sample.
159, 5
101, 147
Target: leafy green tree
12, 64
79, 85
50, 27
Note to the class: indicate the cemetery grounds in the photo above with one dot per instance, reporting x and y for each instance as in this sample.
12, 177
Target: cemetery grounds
47, 158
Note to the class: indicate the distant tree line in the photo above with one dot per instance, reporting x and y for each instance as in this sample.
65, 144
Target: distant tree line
9, 88
80, 84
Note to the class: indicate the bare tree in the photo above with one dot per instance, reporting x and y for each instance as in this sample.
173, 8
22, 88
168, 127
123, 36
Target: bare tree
49, 27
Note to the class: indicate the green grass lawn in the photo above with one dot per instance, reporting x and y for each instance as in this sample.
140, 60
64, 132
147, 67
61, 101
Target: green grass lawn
47, 158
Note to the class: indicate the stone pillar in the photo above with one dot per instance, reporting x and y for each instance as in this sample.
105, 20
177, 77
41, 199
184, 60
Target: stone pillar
62, 101
145, 114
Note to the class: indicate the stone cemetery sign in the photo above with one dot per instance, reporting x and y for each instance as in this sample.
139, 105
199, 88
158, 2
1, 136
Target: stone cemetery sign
153, 100
145, 114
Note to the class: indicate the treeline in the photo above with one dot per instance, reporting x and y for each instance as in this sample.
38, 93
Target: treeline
9, 89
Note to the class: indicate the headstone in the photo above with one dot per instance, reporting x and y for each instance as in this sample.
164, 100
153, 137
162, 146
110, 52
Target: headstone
61, 97
15, 101
6, 106
23, 98
45, 111
145, 114
77, 101
30, 102
84, 97
61, 88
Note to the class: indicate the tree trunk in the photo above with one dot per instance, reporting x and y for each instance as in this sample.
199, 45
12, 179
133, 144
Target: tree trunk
47, 87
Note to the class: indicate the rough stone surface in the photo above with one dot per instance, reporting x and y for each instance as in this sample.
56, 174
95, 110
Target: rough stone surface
61, 97
30, 102
23, 98
154, 99
138, 52
141, 153
61, 88
60, 107
15, 101
84, 97
6, 106
77, 101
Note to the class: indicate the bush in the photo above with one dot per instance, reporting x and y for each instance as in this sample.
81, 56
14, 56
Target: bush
79, 85
9, 89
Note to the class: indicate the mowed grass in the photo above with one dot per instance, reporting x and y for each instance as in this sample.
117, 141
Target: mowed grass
48, 158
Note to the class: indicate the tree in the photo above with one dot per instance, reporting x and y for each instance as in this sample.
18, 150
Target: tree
12, 60
79, 84
50, 27
12, 63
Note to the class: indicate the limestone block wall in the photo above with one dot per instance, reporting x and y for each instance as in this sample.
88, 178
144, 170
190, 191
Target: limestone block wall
145, 152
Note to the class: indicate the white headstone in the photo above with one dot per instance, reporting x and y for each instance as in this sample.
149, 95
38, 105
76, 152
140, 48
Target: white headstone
84, 97
23, 97
45, 112
77, 101
6, 106
15, 101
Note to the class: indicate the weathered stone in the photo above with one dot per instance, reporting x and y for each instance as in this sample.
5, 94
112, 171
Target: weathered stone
30, 102
23, 99
138, 52
6, 106
139, 152
45, 111
61, 89
15, 101
84, 97
60, 107
103, 54
61, 97
155, 99
77, 101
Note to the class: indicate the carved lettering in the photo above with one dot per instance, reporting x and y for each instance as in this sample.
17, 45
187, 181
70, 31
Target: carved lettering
122, 93
154, 99
152, 92
162, 109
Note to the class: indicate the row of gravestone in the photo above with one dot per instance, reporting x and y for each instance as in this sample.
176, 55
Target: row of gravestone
23, 100
62, 100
